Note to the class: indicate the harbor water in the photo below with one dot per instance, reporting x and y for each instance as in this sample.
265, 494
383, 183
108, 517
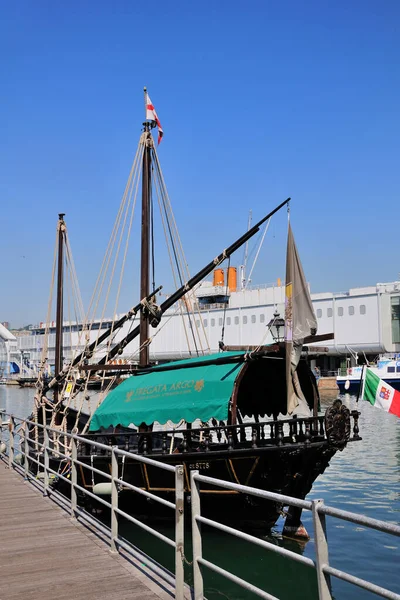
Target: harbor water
364, 478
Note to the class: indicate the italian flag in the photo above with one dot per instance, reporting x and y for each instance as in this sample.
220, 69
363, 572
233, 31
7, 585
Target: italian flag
381, 394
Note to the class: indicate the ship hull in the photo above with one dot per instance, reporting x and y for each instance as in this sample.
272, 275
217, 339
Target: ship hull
289, 470
353, 385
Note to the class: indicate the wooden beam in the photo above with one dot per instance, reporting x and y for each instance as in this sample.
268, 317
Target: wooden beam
242, 348
313, 339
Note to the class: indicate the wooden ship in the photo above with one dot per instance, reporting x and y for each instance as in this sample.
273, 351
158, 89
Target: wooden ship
234, 413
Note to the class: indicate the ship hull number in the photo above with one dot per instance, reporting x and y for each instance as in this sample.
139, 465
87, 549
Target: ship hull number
199, 466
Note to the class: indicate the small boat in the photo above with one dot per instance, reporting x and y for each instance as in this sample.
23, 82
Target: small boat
246, 414
386, 368
26, 381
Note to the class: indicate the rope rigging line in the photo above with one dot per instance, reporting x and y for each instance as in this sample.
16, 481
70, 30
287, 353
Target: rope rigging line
133, 192
113, 233
225, 307
163, 219
96, 296
258, 251
153, 267
183, 266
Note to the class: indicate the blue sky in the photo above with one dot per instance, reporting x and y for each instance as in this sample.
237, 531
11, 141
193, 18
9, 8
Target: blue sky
259, 101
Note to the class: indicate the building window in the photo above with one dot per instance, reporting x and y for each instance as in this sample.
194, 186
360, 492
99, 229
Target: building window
262, 318
253, 318
244, 320
395, 302
319, 313
340, 311
236, 320
329, 312
351, 310
205, 322
228, 320
212, 322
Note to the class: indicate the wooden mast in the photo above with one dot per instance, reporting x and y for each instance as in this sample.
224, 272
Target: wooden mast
60, 293
145, 241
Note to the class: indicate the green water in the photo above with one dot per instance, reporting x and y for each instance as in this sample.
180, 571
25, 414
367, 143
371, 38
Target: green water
364, 478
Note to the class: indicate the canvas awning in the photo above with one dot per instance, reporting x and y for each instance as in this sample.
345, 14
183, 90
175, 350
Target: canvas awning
186, 392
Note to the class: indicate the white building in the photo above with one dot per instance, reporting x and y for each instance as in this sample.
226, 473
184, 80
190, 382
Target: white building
363, 321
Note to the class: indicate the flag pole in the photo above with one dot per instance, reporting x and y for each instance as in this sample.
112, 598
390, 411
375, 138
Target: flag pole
362, 385
145, 101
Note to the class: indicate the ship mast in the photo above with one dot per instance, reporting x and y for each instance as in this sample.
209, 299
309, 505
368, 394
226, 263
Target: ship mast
147, 141
60, 294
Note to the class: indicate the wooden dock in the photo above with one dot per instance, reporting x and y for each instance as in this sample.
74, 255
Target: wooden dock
44, 554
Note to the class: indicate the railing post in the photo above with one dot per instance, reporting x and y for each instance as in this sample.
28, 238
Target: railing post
196, 537
26, 452
179, 533
114, 499
12, 442
321, 549
46, 461
74, 477
1, 426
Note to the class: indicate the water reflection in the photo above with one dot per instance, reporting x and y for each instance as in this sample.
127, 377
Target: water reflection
364, 478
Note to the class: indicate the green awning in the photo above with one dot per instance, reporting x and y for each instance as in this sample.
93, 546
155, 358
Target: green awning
186, 392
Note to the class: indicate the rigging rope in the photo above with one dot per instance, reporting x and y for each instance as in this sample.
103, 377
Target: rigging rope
225, 307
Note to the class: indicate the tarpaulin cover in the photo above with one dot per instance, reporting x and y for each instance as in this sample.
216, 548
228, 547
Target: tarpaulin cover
188, 393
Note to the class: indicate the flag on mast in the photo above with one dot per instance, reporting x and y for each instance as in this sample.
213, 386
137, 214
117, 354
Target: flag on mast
380, 394
151, 115
300, 320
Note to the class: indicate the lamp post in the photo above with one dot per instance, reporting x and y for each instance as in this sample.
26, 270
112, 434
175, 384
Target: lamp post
277, 327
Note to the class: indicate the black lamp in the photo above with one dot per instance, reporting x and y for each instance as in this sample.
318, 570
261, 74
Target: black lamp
277, 327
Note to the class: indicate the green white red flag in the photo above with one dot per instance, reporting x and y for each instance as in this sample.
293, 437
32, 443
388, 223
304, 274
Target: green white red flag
380, 394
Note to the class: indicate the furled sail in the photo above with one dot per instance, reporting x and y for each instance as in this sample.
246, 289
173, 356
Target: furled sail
300, 320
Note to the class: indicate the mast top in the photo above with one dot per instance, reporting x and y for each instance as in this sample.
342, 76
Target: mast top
61, 216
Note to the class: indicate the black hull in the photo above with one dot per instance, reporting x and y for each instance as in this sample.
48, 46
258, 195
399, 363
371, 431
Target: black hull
290, 470
283, 456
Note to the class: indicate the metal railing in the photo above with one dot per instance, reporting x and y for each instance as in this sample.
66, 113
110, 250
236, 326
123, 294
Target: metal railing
17, 436
319, 510
321, 564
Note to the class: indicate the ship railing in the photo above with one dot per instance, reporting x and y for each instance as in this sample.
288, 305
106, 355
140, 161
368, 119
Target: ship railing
19, 449
321, 563
273, 433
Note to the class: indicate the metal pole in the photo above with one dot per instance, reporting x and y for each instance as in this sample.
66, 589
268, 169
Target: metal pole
196, 537
114, 499
321, 550
12, 442
26, 452
46, 461
74, 478
179, 533
361, 386
1, 427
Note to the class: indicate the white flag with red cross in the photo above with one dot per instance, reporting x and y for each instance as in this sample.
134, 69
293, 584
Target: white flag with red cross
151, 115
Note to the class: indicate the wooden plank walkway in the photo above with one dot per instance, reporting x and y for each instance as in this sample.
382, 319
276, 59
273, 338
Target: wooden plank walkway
44, 554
